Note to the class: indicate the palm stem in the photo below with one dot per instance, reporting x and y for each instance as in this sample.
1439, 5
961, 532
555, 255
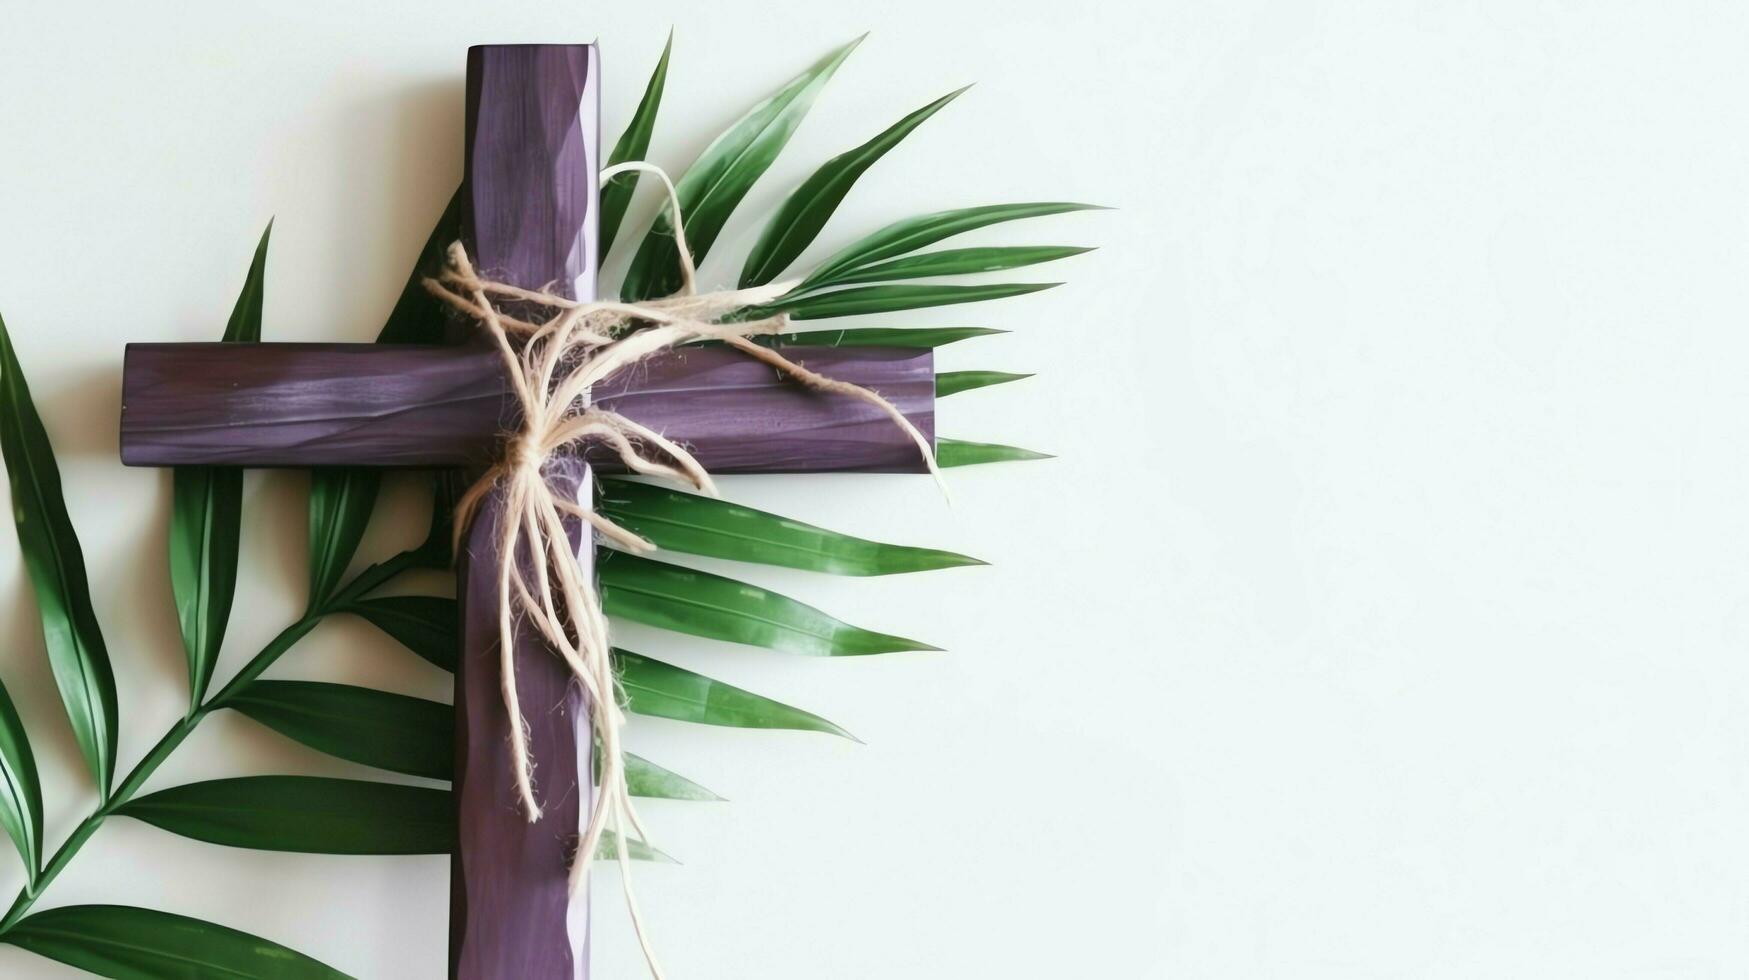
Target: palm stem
367, 581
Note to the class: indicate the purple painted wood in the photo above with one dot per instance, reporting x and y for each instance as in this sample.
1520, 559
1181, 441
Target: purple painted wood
511, 914
530, 185
382, 405
533, 155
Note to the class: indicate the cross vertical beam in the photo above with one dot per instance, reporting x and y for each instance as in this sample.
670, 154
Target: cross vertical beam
532, 147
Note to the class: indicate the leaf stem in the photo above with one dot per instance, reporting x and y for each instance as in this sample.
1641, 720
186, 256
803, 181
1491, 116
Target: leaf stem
365, 582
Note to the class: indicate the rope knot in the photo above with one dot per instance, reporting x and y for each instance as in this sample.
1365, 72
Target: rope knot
523, 453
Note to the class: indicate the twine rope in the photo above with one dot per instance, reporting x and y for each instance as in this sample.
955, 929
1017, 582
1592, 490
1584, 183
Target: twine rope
552, 362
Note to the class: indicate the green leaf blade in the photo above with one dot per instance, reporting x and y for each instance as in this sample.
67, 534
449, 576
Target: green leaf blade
648, 780
21, 795
56, 565
953, 382
127, 943
917, 338
803, 214
419, 317
720, 178
206, 517
958, 452
608, 850
911, 234
699, 525
633, 144
427, 625
662, 690
701, 604
206, 520
956, 262
244, 326
865, 300
373, 728
304, 814
341, 500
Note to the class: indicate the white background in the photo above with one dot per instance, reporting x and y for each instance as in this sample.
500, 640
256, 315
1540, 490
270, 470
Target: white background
1384, 615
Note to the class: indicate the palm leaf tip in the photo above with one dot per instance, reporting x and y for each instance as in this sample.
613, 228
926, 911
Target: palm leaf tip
866, 300
633, 144
645, 778
245, 322
959, 452
953, 382
910, 234
869, 642
902, 644
637, 849
700, 525
663, 690
954, 262
698, 603
713, 187
920, 337
121, 941
804, 213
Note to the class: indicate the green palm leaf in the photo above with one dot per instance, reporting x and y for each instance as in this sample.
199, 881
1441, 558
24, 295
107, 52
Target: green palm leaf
244, 327
953, 382
702, 604
373, 728
56, 566
426, 625
418, 317
912, 234
206, 516
340, 506
799, 220
647, 779
436, 550
860, 300
318, 815
958, 452
128, 943
305, 814
637, 850
634, 144
913, 337
21, 795
954, 262
722, 175
699, 525
400, 733
663, 690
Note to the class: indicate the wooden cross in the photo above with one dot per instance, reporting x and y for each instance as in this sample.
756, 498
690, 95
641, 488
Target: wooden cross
530, 194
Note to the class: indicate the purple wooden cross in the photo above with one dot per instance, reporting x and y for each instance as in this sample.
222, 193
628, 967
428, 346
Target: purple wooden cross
530, 192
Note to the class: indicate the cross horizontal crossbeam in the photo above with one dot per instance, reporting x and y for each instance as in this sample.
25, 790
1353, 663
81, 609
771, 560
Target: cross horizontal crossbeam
302, 405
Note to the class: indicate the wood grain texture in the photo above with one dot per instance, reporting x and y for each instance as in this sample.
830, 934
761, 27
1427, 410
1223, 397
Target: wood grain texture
529, 218
384, 405
531, 171
511, 914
